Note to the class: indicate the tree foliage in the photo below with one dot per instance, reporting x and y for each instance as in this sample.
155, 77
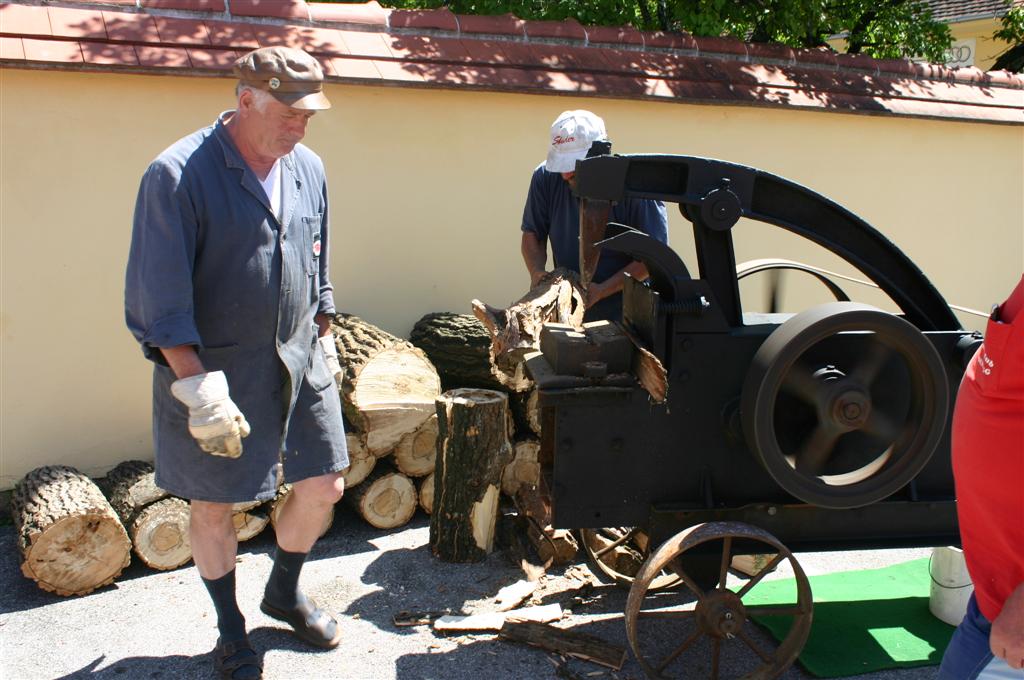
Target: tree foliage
1012, 32
878, 28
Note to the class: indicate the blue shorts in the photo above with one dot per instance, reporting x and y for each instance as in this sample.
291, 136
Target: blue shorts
969, 657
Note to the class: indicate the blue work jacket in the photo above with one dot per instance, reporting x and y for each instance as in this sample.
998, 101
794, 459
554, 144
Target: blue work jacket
212, 266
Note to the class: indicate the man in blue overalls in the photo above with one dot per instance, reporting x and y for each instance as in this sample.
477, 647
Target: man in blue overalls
552, 214
227, 291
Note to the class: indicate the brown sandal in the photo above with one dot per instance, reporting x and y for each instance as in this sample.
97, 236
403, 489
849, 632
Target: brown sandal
310, 623
231, 657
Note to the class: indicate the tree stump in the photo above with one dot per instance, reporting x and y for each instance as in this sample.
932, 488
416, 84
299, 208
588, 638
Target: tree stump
360, 461
515, 331
459, 347
386, 500
284, 492
160, 534
426, 493
524, 468
70, 538
473, 451
389, 386
416, 454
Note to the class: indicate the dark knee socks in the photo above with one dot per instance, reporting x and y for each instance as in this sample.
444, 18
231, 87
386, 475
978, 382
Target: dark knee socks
230, 621
283, 585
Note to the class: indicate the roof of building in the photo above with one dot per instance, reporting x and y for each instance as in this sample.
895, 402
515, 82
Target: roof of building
950, 11
365, 43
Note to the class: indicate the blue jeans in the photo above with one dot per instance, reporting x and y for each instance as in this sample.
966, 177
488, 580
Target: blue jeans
969, 657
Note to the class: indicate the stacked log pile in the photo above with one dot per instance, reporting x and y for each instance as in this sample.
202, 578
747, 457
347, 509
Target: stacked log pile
157, 524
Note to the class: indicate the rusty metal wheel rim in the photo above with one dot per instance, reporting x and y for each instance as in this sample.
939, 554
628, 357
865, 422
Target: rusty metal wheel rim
781, 369
621, 536
712, 607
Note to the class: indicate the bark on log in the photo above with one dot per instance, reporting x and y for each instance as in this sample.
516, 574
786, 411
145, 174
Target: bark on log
160, 534
524, 469
458, 345
70, 538
416, 453
389, 385
473, 451
284, 492
360, 461
386, 500
516, 331
426, 493
562, 641
130, 486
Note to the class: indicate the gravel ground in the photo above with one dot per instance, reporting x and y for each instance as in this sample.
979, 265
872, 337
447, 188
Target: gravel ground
160, 624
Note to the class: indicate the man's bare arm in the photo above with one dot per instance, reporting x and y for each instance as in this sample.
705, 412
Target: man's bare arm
535, 255
183, 360
599, 291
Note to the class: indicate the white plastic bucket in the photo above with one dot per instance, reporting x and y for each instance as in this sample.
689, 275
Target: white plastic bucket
951, 585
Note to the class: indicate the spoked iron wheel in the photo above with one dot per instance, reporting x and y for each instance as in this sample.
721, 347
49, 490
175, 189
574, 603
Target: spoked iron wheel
844, 404
619, 554
675, 639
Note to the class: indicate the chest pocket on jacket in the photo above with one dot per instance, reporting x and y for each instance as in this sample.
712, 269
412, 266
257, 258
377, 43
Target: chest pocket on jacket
311, 225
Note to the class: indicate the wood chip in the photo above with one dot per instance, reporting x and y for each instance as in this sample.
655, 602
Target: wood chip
510, 596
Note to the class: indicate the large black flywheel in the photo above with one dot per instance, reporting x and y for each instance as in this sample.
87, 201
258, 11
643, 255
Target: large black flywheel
844, 404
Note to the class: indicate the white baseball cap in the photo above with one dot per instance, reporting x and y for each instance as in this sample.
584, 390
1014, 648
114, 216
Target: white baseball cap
571, 136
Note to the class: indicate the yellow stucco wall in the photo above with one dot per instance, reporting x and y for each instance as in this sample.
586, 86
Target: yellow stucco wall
427, 190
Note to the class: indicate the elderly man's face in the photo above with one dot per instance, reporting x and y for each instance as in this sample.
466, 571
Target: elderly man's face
278, 128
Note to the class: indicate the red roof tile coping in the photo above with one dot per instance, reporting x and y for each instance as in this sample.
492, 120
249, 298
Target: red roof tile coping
21, 20
672, 41
131, 27
759, 51
440, 19
368, 13
163, 57
622, 35
504, 24
568, 29
278, 9
59, 51
107, 54
76, 23
182, 31
11, 48
712, 45
187, 5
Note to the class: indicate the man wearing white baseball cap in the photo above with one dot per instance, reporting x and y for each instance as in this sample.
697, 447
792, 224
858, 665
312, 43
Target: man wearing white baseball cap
552, 215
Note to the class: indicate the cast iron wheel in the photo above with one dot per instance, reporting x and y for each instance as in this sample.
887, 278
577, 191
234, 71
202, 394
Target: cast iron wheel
619, 553
719, 620
844, 404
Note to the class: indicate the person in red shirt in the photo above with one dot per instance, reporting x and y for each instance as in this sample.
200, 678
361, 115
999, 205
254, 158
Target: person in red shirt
988, 467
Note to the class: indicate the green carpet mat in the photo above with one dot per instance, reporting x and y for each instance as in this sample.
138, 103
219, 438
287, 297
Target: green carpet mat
864, 621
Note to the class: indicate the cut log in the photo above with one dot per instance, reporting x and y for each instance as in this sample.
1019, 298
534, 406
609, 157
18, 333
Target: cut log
562, 641
70, 538
249, 524
473, 451
360, 461
515, 331
277, 505
130, 486
458, 345
524, 469
416, 454
160, 534
386, 500
389, 386
557, 546
426, 493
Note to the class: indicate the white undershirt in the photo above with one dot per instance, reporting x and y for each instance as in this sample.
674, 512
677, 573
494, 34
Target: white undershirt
272, 187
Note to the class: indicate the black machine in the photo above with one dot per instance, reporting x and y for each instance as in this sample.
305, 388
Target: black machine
822, 430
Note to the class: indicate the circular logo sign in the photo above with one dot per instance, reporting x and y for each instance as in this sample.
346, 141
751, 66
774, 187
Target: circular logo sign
274, 83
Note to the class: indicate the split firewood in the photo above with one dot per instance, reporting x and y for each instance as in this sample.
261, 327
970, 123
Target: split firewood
386, 499
70, 538
473, 451
553, 546
416, 453
515, 331
388, 387
511, 596
624, 558
360, 461
562, 641
426, 493
458, 345
277, 505
649, 370
495, 620
524, 468
752, 565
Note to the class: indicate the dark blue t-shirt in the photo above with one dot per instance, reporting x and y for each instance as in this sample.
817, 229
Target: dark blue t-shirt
553, 213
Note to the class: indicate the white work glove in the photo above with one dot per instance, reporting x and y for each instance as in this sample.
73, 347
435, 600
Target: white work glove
213, 419
331, 354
